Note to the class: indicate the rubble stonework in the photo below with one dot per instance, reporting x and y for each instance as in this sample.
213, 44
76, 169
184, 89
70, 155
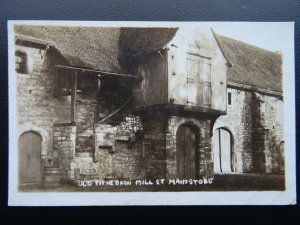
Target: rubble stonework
257, 129
64, 137
35, 100
116, 153
204, 163
239, 121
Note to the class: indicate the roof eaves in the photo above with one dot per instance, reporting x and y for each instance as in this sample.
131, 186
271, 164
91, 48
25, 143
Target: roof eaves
33, 42
38, 43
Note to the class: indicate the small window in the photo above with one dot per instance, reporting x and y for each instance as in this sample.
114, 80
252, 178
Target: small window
229, 98
21, 62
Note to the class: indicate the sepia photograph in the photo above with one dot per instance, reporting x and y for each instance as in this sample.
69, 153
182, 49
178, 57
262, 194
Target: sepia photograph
150, 109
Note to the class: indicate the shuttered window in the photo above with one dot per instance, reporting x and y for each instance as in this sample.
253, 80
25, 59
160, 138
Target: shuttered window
21, 62
198, 80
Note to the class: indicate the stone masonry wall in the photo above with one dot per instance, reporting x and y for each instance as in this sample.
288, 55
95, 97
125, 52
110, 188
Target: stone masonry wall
267, 132
35, 99
37, 105
239, 122
203, 160
154, 145
251, 125
64, 149
117, 153
85, 109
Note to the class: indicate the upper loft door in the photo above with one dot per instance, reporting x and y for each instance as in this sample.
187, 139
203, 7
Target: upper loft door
198, 80
30, 158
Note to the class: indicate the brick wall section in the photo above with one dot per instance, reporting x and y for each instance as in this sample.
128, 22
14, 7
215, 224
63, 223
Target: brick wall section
64, 149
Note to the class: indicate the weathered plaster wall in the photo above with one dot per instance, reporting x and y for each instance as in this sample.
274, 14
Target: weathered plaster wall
200, 42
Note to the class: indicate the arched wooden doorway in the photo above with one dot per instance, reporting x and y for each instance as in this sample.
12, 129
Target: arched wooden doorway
186, 143
222, 149
30, 158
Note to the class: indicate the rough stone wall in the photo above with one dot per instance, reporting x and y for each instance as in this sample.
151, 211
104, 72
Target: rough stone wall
260, 135
267, 132
64, 137
36, 104
274, 122
117, 153
34, 96
204, 162
154, 145
254, 125
85, 109
239, 122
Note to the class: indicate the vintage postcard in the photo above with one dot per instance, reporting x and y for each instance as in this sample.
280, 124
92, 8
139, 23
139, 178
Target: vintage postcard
151, 113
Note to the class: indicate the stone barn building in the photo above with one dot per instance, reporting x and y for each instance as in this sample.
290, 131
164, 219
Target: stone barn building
144, 103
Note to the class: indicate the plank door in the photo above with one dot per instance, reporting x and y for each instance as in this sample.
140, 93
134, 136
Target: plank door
222, 151
30, 158
198, 81
186, 152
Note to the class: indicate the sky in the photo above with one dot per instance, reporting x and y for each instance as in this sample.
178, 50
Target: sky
267, 35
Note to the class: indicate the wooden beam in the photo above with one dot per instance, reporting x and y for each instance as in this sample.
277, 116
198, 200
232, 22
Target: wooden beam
252, 88
73, 97
98, 97
102, 72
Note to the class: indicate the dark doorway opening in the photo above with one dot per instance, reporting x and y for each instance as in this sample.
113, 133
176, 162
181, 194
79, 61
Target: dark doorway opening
186, 144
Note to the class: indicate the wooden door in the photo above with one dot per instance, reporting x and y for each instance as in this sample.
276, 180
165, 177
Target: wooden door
198, 81
186, 142
30, 158
222, 150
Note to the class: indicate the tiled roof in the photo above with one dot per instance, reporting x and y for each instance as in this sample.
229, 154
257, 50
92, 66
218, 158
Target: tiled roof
251, 65
88, 47
109, 49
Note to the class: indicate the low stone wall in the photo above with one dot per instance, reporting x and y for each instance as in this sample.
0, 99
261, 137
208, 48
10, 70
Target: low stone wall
118, 149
